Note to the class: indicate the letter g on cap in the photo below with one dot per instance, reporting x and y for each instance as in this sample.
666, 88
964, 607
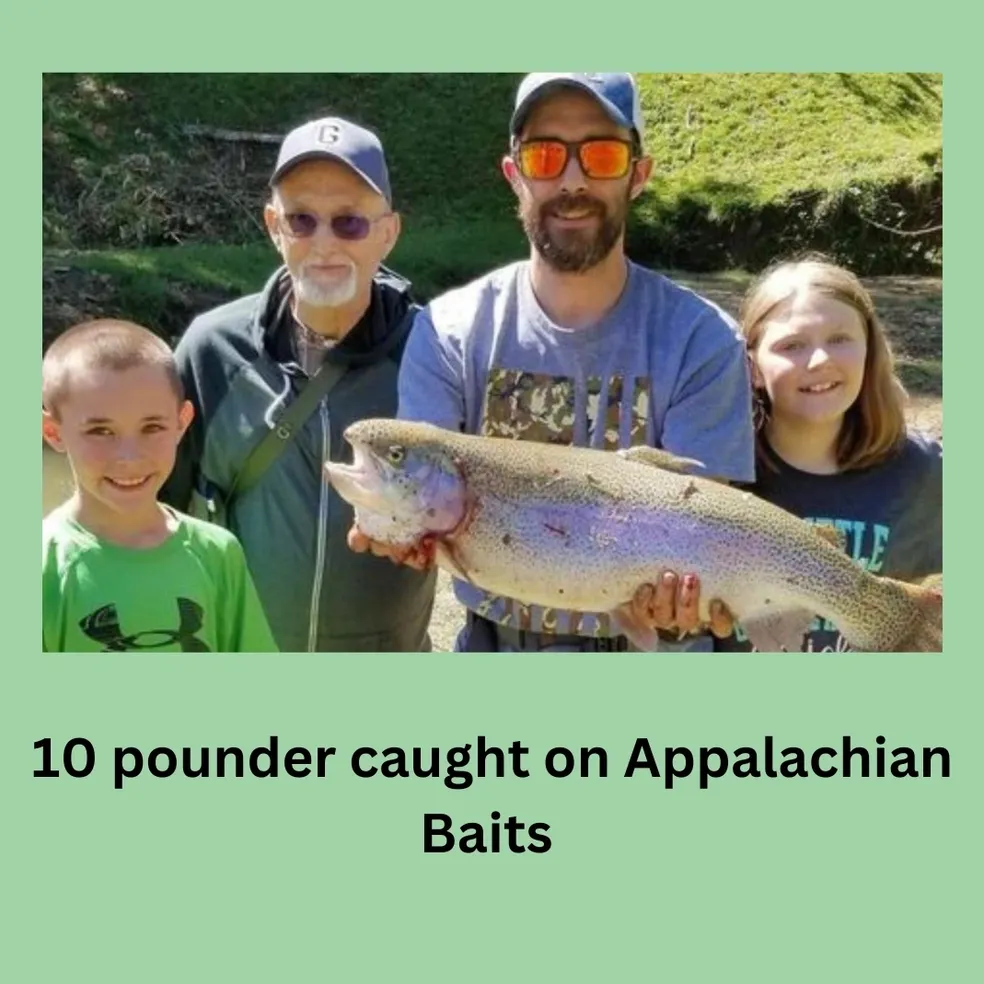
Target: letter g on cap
329, 134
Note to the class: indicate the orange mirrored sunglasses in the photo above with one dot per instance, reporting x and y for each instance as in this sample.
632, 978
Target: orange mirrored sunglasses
601, 158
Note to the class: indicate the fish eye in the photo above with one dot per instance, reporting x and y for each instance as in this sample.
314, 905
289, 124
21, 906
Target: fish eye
396, 454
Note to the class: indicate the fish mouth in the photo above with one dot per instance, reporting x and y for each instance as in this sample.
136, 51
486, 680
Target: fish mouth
358, 483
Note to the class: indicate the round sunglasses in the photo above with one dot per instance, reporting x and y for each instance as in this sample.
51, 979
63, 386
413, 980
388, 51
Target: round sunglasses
347, 225
601, 158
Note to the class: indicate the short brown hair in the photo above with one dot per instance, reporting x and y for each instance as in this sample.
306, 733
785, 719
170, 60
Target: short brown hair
106, 343
874, 427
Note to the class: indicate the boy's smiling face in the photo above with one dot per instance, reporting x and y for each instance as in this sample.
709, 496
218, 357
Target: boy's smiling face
120, 430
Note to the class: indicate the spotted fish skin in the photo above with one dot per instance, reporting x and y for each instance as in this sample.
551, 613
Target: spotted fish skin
576, 528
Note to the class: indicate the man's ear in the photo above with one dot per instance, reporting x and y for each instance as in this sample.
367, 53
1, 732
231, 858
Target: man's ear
392, 228
641, 172
51, 431
186, 414
272, 221
511, 172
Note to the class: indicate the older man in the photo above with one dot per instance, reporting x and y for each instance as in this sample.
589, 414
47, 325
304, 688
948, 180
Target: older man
579, 345
277, 376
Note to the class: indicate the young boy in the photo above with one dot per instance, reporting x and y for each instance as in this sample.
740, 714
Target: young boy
120, 571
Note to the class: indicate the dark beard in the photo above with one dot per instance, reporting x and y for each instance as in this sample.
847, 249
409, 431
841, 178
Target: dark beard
576, 250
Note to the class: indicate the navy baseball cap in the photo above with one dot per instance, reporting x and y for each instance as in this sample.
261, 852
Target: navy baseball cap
333, 138
615, 91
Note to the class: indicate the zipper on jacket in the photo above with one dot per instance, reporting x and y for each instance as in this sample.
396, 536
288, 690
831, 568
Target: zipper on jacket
323, 502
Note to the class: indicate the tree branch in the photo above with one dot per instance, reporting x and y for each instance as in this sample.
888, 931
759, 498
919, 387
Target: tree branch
902, 232
236, 136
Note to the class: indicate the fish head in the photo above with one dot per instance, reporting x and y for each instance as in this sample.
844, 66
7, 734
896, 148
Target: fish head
403, 483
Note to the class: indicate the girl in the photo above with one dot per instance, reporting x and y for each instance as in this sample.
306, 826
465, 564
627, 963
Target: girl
832, 445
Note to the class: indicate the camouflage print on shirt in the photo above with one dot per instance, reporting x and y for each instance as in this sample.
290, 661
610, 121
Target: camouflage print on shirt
529, 406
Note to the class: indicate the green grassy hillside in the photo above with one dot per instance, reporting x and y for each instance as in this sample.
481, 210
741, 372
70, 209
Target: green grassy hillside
748, 168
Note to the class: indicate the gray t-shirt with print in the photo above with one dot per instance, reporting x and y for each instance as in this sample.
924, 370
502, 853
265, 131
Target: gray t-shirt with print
664, 367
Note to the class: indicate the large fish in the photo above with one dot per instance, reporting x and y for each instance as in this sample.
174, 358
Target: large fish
581, 529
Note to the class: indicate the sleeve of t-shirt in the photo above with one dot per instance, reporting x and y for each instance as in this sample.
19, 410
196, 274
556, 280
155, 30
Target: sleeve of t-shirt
246, 629
44, 607
917, 540
431, 380
46, 604
931, 503
710, 416
51, 596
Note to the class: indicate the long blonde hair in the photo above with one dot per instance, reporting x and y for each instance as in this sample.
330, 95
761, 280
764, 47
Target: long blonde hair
874, 426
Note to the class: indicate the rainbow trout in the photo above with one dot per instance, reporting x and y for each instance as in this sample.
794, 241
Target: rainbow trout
581, 529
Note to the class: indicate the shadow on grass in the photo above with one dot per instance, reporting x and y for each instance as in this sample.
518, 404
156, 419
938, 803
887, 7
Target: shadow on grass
903, 98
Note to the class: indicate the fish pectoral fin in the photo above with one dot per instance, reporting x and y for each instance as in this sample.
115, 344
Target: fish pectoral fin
644, 638
447, 551
658, 458
833, 536
779, 631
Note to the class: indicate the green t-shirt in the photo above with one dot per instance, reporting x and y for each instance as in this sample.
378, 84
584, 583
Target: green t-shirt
193, 593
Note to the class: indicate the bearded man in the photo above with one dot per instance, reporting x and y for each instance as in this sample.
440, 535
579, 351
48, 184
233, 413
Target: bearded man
277, 376
579, 345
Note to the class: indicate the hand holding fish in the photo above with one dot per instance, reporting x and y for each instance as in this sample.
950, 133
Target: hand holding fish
420, 555
673, 604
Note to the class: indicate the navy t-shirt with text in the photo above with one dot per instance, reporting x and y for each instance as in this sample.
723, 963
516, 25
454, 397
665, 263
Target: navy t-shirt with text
891, 515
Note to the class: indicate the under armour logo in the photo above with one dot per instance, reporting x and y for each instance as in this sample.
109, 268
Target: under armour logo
103, 626
329, 134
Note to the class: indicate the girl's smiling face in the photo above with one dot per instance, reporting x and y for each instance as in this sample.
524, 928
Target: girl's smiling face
810, 358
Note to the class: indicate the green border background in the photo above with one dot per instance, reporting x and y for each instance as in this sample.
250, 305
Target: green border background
291, 880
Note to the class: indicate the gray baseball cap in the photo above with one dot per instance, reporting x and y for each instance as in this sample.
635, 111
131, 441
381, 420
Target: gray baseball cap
333, 138
615, 91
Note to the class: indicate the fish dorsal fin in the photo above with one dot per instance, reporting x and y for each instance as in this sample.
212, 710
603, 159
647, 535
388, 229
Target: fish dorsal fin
833, 536
658, 458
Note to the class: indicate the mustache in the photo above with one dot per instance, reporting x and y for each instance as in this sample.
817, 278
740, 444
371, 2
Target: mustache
566, 204
307, 265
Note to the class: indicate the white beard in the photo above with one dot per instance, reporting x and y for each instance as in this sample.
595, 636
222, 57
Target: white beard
316, 294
